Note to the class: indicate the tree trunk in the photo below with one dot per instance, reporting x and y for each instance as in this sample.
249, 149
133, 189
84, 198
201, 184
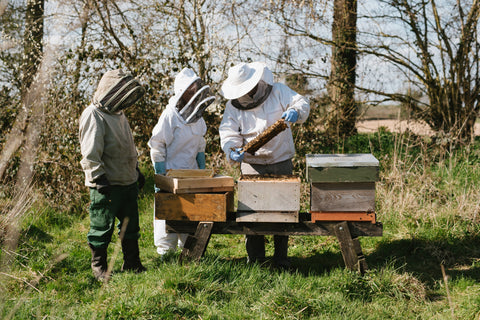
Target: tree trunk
341, 86
33, 45
33, 48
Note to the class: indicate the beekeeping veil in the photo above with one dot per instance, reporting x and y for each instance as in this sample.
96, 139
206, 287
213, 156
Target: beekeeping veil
242, 80
117, 90
192, 96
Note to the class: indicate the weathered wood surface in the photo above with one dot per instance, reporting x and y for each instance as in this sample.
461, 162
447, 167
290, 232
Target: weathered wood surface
342, 168
190, 173
341, 160
302, 228
269, 193
197, 184
342, 197
196, 244
344, 216
350, 247
350, 174
269, 216
193, 207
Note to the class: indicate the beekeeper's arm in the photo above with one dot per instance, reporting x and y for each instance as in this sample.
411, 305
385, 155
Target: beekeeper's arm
230, 137
91, 135
162, 136
297, 107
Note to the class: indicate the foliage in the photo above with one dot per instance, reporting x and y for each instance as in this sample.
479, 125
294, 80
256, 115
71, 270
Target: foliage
10, 58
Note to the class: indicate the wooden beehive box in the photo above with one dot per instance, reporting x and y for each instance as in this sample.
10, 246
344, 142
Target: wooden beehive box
342, 186
354, 167
193, 206
193, 181
193, 195
273, 198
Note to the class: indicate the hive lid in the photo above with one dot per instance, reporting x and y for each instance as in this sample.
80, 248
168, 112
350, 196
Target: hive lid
341, 160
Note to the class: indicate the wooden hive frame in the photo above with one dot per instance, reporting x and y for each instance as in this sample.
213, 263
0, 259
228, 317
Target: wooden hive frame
267, 135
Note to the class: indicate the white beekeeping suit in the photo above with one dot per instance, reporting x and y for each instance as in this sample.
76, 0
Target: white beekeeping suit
241, 125
255, 102
178, 141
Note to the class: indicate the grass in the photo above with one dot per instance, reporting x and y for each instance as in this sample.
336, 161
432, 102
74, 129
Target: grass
426, 200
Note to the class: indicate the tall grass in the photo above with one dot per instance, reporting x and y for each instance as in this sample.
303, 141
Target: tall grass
427, 200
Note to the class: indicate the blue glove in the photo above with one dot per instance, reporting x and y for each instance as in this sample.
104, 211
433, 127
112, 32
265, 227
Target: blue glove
291, 115
201, 160
237, 155
159, 167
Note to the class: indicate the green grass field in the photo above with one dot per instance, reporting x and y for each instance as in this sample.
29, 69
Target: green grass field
427, 200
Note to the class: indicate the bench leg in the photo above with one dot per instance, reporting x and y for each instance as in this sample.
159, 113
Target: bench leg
350, 247
196, 244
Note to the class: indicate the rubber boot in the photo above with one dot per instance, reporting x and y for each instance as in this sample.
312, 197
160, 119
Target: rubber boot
280, 257
99, 263
131, 256
255, 246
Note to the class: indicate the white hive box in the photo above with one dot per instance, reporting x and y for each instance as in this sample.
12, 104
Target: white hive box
268, 198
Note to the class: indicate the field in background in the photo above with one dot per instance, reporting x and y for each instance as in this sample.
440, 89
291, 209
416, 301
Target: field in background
394, 119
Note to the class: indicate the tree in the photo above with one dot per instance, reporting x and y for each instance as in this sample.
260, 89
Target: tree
436, 49
306, 26
341, 86
33, 37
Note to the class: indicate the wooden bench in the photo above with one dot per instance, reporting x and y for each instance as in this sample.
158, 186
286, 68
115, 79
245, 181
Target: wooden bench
347, 234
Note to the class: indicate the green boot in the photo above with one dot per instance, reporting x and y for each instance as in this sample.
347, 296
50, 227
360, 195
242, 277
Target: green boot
99, 263
131, 256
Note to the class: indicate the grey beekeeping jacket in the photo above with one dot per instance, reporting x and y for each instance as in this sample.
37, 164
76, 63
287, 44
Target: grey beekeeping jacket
107, 145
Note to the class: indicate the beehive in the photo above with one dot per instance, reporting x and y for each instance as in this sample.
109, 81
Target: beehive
193, 195
193, 206
342, 186
273, 198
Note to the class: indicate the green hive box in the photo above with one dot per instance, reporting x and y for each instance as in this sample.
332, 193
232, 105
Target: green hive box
355, 167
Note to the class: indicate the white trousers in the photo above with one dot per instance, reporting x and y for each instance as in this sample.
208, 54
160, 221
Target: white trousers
166, 241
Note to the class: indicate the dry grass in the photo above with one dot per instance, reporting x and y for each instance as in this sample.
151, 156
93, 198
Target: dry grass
15, 210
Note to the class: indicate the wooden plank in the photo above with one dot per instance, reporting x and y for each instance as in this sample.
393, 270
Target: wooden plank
350, 247
269, 216
193, 207
344, 216
196, 244
303, 228
361, 167
342, 197
194, 184
260, 193
190, 173
342, 174
362, 262
342, 160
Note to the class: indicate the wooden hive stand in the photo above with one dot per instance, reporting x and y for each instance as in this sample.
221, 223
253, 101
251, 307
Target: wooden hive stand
342, 204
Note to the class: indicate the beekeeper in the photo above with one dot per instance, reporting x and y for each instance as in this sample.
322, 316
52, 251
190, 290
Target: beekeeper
256, 102
109, 160
178, 142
